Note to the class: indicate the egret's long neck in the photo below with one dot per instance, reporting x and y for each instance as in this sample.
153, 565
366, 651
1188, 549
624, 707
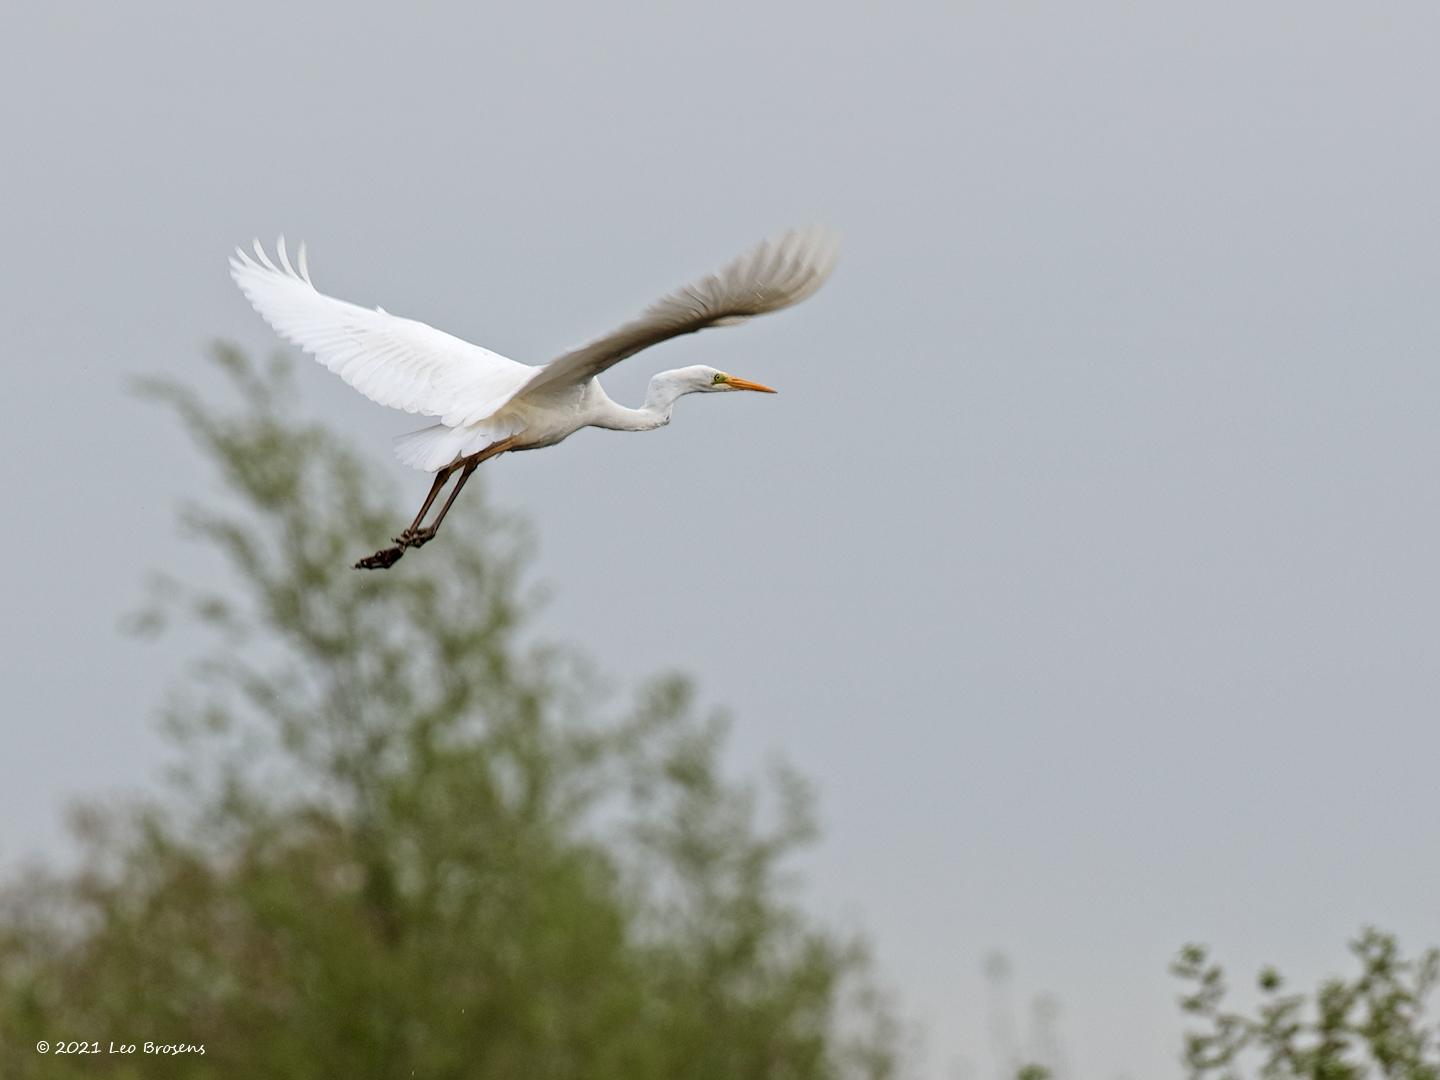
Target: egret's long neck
660, 398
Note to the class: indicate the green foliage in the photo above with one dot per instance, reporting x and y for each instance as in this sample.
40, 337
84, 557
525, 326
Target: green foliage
402, 840
1372, 1025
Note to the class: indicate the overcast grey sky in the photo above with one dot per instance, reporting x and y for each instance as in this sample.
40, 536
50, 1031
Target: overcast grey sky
1088, 557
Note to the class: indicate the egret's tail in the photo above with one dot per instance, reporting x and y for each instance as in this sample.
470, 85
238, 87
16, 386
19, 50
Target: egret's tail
436, 446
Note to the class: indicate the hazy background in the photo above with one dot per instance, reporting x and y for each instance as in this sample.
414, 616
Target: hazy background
1087, 559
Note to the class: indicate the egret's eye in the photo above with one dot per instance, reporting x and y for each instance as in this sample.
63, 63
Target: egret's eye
719, 378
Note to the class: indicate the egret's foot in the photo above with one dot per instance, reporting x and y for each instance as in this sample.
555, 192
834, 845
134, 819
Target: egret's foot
381, 560
414, 538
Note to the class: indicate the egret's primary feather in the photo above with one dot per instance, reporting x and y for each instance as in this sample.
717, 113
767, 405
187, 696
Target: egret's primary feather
772, 275
398, 362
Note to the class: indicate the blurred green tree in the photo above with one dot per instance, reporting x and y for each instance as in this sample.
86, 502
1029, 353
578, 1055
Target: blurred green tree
1373, 1025
401, 840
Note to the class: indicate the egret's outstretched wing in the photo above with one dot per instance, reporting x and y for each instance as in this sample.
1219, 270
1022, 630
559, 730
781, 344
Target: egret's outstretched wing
397, 362
771, 276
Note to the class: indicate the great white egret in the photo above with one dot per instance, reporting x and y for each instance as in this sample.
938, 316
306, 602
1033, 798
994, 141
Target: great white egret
488, 404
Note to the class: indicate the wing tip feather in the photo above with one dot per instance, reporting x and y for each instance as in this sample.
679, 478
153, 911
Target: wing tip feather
245, 264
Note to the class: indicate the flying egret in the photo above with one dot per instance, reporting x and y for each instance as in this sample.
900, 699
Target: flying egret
488, 404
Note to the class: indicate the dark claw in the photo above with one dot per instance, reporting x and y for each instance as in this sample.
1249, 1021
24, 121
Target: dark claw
388, 557
381, 560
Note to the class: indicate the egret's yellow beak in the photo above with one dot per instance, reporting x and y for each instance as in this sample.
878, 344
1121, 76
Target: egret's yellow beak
746, 384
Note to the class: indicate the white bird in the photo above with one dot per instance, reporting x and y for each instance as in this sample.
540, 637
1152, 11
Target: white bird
488, 404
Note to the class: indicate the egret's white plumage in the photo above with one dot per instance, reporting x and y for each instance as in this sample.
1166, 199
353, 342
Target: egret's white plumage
487, 403
398, 362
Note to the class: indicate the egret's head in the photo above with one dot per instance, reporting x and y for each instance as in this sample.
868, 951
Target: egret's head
707, 380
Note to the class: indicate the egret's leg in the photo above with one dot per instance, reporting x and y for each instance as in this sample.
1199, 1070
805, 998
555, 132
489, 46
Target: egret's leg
440, 478
420, 537
388, 557
415, 536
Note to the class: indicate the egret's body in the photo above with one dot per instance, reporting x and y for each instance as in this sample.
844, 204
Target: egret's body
488, 404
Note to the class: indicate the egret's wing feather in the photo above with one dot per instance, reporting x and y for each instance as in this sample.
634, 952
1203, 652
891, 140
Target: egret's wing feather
397, 362
771, 276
